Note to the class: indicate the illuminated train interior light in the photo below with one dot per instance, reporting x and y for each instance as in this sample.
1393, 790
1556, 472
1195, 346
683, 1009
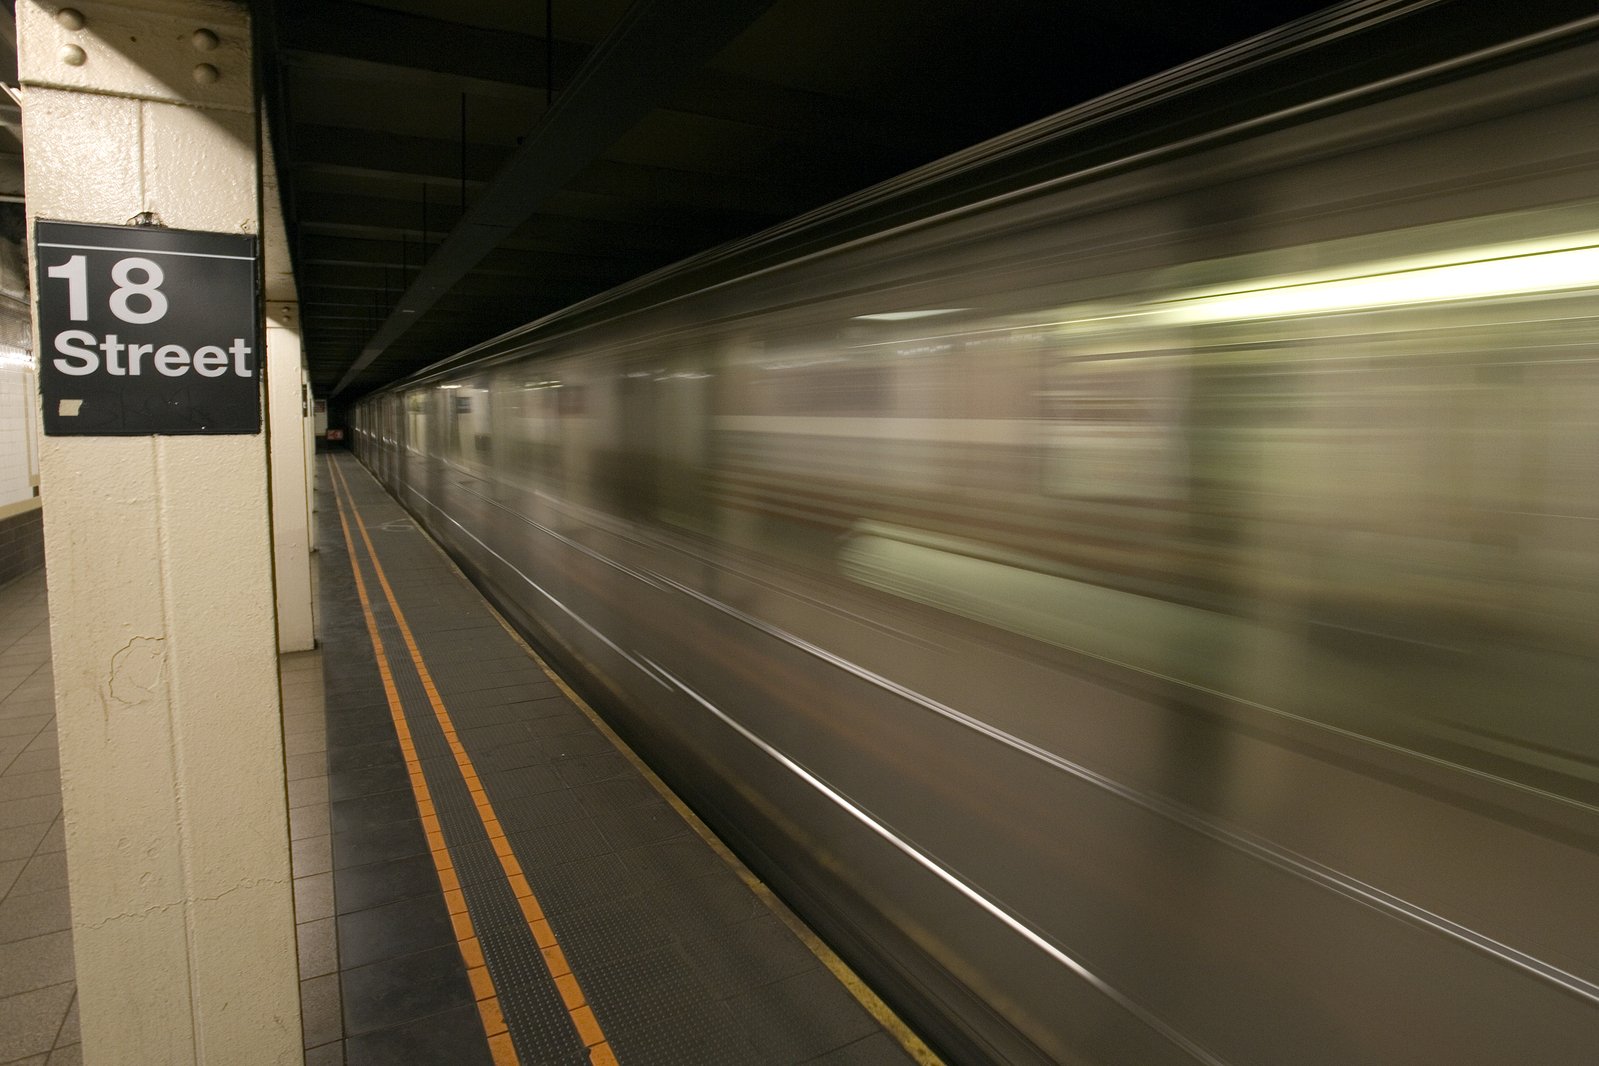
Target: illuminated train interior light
905, 316
1505, 270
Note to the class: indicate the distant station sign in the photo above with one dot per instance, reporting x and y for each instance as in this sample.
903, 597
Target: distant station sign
146, 331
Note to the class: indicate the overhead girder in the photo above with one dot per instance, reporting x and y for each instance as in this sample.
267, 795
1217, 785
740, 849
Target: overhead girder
656, 46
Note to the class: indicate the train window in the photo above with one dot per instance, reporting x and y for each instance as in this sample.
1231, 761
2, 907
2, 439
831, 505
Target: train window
1112, 427
828, 387
528, 437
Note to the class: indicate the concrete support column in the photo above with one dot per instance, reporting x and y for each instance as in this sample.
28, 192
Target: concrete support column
289, 420
310, 456
288, 406
160, 575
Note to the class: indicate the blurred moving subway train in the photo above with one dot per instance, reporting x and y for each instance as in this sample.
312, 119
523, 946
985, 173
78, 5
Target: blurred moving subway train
1132, 586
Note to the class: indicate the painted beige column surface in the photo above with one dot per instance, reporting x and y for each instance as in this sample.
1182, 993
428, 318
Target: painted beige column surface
159, 562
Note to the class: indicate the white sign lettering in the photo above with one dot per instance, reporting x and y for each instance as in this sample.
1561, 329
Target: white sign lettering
83, 351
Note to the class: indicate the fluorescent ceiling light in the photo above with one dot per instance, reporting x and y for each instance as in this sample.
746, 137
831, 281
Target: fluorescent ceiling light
903, 316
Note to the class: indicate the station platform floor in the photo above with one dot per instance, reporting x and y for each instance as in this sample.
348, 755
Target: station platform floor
38, 987
484, 874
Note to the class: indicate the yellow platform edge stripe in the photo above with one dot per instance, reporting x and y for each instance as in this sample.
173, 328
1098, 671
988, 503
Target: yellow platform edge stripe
579, 1012
494, 1028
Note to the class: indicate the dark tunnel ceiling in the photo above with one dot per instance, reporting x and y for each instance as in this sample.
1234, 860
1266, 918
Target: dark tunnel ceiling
651, 129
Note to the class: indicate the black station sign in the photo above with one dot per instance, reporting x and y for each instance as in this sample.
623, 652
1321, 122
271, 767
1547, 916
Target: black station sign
144, 331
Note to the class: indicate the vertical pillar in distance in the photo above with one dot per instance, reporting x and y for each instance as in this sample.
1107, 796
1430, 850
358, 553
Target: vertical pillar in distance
288, 416
310, 457
288, 410
158, 554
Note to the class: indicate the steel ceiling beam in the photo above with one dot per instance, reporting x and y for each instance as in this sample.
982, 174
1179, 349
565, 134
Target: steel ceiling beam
344, 39
657, 45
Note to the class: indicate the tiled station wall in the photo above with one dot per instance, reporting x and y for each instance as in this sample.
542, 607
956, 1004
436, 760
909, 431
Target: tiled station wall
19, 442
21, 528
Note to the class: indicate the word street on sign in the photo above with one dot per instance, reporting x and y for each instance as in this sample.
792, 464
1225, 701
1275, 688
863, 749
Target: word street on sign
145, 330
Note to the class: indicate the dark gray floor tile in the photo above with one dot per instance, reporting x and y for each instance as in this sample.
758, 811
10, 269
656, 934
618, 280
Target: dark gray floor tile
450, 1038
308, 790
394, 929
592, 769
675, 1024
538, 810
351, 729
310, 821
23, 726
878, 1049
34, 761
480, 738
35, 963
526, 754
399, 991
70, 1033
712, 902
577, 884
606, 933
55, 838
21, 842
549, 715
558, 843
304, 743
16, 705
374, 809
30, 1021
311, 855
748, 955
801, 1017
576, 745
33, 914
312, 764
621, 792
44, 872
388, 777
327, 1055
379, 844
17, 785
10, 870
638, 826
313, 897
363, 756
677, 859
318, 946
321, 1011
362, 887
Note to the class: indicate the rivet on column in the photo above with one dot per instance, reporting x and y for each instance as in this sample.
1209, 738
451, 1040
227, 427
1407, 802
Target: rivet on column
204, 41
70, 18
72, 55
206, 74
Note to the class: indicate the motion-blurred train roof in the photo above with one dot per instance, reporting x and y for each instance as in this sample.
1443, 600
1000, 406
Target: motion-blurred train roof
451, 170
